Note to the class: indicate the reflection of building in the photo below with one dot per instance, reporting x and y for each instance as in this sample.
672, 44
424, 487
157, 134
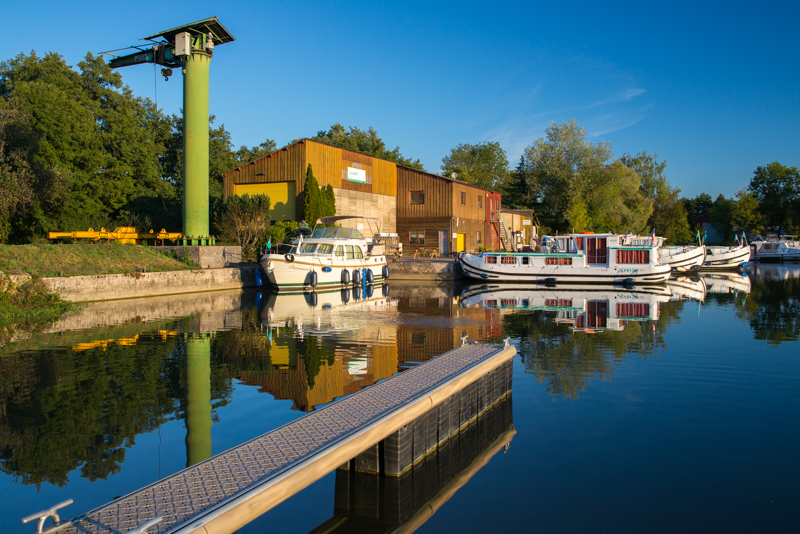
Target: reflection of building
587, 308
373, 503
347, 374
417, 342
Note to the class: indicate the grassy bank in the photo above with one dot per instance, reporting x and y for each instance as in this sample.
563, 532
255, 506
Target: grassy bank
30, 307
74, 260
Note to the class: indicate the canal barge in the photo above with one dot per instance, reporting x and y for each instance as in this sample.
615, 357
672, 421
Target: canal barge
332, 257
573, 258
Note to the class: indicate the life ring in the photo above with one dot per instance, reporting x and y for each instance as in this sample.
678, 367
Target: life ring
289, 257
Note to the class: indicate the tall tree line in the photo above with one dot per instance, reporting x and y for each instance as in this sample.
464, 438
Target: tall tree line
79, 150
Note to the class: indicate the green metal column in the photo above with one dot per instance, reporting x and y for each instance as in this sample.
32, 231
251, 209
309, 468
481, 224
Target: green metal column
198, 400
195, 144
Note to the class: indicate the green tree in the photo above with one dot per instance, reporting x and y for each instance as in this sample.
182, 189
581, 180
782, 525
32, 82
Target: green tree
699, 205
777, 189
244, 219
516, 194
364, 142
608, 199
553, 166
16, 175
484, 165
317, 202
745, 214
669, 214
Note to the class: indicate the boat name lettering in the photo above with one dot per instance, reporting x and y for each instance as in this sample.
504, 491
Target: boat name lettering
632, 271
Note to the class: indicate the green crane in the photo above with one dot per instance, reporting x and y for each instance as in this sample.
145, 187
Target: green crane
189, 47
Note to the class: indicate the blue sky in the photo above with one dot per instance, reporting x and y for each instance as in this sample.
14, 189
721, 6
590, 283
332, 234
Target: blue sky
714, 88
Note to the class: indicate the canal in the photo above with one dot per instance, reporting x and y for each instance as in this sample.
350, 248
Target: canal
653, 409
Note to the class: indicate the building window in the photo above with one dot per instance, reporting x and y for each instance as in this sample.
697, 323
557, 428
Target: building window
479, 237
463, 199
480, 201
417, 197
416, 237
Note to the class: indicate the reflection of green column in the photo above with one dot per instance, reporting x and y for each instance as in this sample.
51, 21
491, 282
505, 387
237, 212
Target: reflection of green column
195, 142
198, 400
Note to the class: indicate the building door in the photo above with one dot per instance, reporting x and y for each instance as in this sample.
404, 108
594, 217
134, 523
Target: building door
460, 243
444, 244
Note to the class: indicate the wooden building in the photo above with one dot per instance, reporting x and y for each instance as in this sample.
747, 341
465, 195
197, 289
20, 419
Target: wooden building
362, 185
521, 226
438, 213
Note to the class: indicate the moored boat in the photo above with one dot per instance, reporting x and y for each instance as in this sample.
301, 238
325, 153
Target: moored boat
785, 248
573, 258
685, 258
726, 257
331, 257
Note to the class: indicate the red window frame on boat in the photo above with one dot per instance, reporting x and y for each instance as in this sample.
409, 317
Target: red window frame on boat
632, 309
490, 259
508, 260
558, 261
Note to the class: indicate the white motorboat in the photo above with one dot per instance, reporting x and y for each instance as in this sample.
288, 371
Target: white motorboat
785, 248
573, 258
726, 257
331, 257
685, 258
589, 308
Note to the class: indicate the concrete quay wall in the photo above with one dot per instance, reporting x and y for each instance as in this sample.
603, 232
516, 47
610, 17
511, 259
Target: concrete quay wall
132, 285
430, 270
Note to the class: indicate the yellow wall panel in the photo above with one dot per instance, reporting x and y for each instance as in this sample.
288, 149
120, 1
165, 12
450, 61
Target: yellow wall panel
281, 194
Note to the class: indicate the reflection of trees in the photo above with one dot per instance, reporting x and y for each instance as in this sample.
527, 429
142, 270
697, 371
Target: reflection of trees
314, 354
567, 361
772, 309
62, 410
244, 351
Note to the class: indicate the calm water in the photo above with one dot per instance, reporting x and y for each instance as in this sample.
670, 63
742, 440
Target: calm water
666, 409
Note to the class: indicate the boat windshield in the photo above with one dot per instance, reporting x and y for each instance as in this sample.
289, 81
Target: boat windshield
334, 232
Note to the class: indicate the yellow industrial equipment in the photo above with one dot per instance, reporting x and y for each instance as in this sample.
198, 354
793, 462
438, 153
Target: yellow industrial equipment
162, 335
123, 234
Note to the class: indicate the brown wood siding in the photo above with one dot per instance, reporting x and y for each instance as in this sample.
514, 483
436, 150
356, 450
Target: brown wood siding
432, 228
284, 165
438, 192
331, 164
470, 210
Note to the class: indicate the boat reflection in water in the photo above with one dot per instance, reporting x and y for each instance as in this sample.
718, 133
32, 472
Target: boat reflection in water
687, 288
590, 308
773, 272
371, 503
726, 282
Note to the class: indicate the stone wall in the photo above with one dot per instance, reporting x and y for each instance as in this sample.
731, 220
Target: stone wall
207, 257
130, 285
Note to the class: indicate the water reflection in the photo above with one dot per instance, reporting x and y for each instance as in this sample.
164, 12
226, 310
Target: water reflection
74, 399
370, 503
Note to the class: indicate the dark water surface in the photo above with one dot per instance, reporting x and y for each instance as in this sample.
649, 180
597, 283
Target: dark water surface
657, 410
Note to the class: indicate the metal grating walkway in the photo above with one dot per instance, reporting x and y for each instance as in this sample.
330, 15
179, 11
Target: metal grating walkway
195, 491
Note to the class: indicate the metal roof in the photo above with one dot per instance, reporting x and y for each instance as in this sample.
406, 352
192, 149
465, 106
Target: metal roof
201, 27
